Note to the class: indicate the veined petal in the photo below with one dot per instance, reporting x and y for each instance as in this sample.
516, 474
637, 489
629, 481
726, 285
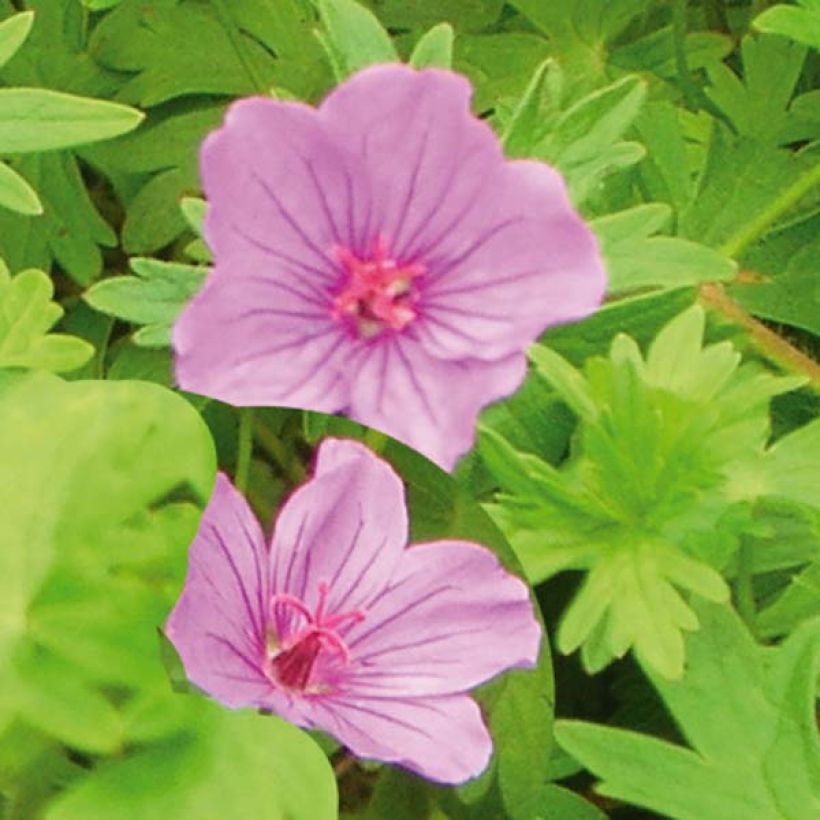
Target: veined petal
218, 623
451, 618
526, 261
425, 155
274, 173
346, 528
441, 738
251, 339
426, 402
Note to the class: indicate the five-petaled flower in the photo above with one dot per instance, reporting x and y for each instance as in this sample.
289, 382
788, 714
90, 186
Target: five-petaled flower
379, 257
341, 626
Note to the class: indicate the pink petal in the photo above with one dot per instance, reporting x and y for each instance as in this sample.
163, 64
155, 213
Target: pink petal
346, 527
441, 738
425, 402
217, 625
424, 153
277, 179
451, 619
254, 338
524, 262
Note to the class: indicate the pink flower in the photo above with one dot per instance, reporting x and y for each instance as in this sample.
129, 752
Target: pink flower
379, 257
340, 626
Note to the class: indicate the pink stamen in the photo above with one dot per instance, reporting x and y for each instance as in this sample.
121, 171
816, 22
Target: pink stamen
293, 659
379, 292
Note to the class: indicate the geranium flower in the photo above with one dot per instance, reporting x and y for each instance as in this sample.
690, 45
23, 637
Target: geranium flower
379, 257
343, 627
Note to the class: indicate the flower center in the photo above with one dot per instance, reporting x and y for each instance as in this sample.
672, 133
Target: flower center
292, 660
378, 293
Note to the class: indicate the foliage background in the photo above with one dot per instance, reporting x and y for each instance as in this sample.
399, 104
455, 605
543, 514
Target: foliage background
657, 475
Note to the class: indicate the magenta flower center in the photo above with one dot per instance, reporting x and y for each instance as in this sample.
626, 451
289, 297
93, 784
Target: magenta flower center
378, 293
293, 659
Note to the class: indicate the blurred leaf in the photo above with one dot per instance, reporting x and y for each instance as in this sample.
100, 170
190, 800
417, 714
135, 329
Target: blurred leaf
464, 15
13, 33
747, 711
16, 194
353, 37
154, 297
228, 764
801, 22
26, 315
434, 49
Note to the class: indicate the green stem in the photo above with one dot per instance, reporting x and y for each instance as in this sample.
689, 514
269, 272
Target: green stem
768, 216
744, 591
244, 448
223, 12
375, 440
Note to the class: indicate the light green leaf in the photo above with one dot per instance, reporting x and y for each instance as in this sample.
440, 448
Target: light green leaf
558, 803
798, 602
792, 466
748, 713
801, 22
37, 119
637, 259
434, 49
566, 380
13, 33
16, 194
228, 764
535, 110
26, 315
353, 37
154, 297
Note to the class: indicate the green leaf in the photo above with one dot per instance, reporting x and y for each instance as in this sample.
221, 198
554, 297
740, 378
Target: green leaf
434, 49
16, 194
801, 22
637, 259
72, 506
558, 802
792, 466
748, 713
154, 297
226, 765
353, 37
26, 315
668, 444
419, 15
37, 119
257, 46
13, 33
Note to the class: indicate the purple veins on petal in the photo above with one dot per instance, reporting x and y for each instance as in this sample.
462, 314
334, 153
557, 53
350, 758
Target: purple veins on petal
340, 625
387, 218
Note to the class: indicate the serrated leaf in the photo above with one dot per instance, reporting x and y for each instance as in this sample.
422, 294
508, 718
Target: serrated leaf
154, 297
434, 48
748, 712
26, 315
38, 119
13, 33
353, 37
16, 194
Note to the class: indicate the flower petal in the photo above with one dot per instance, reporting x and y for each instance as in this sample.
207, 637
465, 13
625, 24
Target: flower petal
217, 625
276, 179
425, 402
425, 155
451, 618
441, 738
258, 340
524, 262
346, 527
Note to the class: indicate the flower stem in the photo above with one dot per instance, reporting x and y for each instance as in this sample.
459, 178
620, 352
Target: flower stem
234, 35
771, 344
243, 449
375, 440
744, 591
736, 244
